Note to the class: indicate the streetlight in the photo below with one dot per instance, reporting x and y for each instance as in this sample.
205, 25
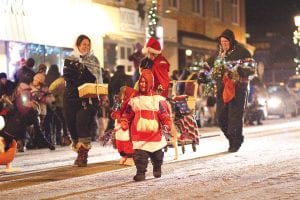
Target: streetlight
296, 39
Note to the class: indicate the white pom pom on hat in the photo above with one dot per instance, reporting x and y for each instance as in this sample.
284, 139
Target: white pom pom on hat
152, 46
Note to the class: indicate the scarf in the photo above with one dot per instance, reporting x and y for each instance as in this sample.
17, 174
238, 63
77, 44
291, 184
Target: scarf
90, 61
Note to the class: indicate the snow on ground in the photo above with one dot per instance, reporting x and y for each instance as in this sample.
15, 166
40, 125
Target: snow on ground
266, 167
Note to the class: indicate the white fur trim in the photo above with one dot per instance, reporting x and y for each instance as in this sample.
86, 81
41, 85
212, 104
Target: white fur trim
146, 50
150, 146
122, 135
147, 125
2, 122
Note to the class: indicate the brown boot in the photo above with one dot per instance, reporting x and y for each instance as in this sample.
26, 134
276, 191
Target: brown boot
81, 160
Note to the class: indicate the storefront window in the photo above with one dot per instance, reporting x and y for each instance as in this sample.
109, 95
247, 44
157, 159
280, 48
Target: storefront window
37, 52
65, 52
110, 56
52, 55
48, 55
16, 51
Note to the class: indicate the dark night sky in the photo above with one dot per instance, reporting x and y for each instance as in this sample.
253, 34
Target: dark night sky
277, 16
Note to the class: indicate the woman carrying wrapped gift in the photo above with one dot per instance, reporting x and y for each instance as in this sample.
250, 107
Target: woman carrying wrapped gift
79, 68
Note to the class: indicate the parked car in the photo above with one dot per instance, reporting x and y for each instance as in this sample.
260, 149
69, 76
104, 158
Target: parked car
294, 85
281, 101
258, 88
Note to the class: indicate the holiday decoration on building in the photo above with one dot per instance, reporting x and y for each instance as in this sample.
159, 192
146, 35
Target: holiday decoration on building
152, 19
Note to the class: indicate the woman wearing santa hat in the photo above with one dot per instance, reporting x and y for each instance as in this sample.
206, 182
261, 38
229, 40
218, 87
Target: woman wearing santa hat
160, 67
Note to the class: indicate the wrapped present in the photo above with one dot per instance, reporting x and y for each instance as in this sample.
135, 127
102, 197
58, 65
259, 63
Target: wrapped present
92, 90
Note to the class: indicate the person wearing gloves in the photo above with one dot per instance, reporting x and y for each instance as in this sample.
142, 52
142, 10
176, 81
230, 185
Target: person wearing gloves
160, 66
231, 95
147, 114
79, 68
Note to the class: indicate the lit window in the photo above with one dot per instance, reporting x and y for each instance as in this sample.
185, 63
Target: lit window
122, 54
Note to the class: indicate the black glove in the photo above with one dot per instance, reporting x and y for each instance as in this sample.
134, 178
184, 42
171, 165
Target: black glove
245, 72
203, 78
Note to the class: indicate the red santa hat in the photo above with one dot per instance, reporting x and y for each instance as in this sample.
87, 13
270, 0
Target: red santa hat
152, 46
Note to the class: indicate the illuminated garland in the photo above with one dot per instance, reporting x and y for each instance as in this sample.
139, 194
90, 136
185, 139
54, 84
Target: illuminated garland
210, 76
152, 19
296, 37
296, 40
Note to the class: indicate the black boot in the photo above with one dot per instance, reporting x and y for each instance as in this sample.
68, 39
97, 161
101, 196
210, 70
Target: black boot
81, 160
139, 177
157, 171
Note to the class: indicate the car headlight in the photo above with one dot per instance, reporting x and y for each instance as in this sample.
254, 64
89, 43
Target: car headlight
274, 102
261, 101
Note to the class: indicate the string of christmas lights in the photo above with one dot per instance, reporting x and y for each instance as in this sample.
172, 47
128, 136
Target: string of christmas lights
152, 19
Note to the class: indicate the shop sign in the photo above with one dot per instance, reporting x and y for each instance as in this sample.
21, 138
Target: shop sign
130, 21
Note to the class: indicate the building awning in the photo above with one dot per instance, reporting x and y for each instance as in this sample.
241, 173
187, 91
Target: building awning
196, 41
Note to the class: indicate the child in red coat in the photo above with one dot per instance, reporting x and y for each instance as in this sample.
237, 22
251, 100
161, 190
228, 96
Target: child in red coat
147, 114
122, 137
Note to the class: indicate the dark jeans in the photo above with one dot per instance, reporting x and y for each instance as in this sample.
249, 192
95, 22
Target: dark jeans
141, 157
230, 115
80, 120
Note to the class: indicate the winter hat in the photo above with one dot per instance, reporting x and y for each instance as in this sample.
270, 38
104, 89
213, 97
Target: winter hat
3, 75
40, 77
229, 35
152, 46
42, 68
148, 75
30, 62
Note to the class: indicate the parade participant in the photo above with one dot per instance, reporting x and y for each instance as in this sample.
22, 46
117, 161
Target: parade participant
231, 95
81, 67
147, 114
160, 67
136, 58
122, 137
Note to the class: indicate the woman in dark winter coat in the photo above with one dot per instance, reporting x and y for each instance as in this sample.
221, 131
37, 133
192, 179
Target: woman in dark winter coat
230, 111
81, 67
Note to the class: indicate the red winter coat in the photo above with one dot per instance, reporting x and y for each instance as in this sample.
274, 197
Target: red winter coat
160, 69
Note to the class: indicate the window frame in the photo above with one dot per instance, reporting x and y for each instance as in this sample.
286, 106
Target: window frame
218, 9
236, 16
198, 7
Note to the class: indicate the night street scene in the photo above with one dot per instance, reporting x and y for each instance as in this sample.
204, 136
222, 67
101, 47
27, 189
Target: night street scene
150, 99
